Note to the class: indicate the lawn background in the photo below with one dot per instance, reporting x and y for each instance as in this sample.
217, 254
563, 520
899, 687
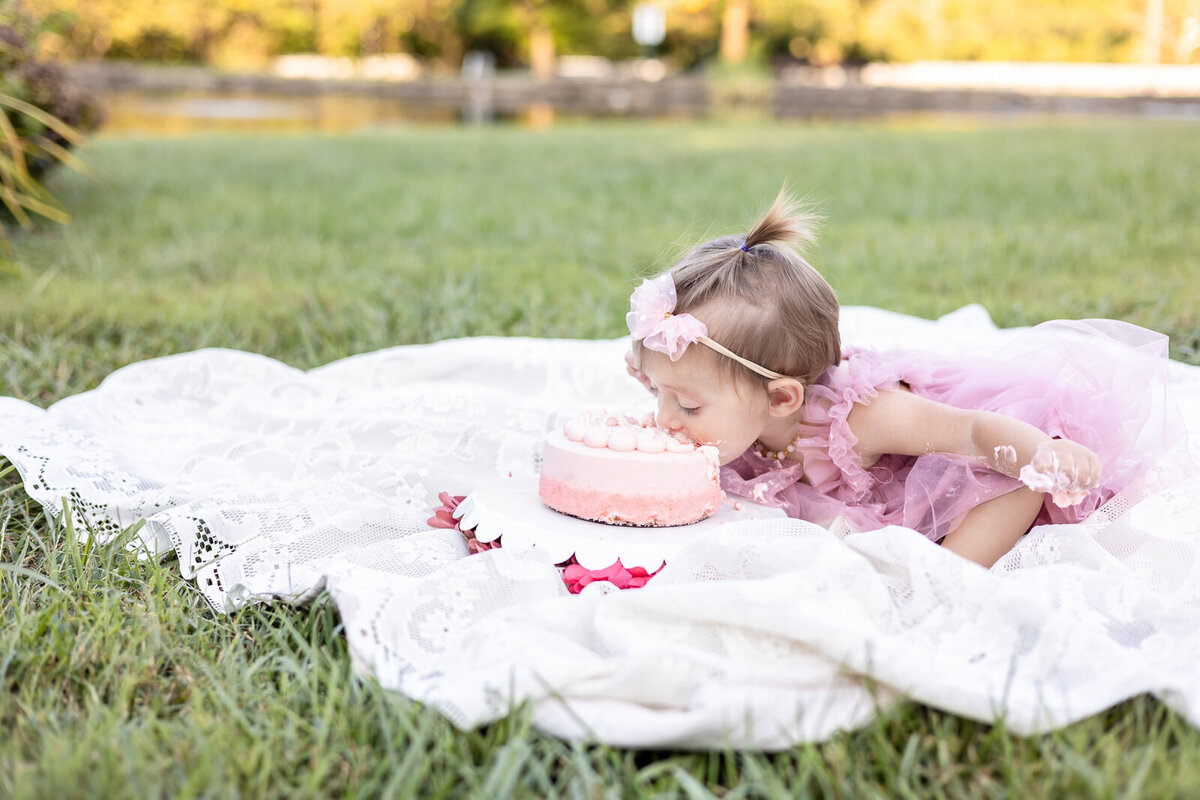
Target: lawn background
119, 681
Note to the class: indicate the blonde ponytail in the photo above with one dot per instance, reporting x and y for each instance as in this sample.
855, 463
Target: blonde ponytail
787, 223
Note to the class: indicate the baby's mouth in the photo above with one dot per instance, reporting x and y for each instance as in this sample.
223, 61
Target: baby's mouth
687, 437
717, 445
682, 435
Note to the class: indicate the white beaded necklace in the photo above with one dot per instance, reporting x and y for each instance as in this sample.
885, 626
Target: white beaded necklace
778, 455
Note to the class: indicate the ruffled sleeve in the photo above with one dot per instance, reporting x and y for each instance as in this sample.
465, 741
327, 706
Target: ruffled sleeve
831, 465
831, 468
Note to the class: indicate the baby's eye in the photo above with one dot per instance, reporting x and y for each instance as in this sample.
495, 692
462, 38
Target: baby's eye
690, 411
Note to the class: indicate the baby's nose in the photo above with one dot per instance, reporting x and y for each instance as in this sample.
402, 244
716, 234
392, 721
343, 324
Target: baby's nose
669, 421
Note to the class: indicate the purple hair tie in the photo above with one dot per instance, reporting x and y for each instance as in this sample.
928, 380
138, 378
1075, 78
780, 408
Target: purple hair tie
745, 249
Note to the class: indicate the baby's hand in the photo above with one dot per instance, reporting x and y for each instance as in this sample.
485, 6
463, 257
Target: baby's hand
632, 368
1065, 470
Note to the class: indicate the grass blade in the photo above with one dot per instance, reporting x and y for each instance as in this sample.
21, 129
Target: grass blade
45, 118
28, 573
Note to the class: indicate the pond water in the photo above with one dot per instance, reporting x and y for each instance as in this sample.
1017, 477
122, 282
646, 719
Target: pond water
195, 110
183, 111
159, 112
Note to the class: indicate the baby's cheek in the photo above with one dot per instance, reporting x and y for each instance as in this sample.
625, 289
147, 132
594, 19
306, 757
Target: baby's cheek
728, 452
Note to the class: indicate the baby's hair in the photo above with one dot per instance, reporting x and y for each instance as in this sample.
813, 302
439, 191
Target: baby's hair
761, 299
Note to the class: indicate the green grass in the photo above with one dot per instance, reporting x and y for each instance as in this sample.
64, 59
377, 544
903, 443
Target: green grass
118, 681
310, 248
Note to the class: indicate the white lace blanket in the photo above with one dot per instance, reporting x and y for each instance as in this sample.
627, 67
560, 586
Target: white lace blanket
270, 482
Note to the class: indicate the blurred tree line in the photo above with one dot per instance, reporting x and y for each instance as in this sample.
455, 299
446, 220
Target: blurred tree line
247, 33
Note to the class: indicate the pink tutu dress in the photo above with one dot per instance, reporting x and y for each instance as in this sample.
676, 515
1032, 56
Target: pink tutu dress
1101, 383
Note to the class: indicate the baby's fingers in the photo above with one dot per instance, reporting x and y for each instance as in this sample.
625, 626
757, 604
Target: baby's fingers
1047, 460
1088, 470
1064, 470
1080, 466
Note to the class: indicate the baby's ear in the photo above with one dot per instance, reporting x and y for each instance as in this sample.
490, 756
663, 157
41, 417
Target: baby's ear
785, 396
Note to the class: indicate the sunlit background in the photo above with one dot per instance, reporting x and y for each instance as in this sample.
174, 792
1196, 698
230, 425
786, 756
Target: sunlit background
252, 34
164, 66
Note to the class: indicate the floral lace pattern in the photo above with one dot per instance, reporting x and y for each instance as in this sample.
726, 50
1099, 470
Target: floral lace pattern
272, 484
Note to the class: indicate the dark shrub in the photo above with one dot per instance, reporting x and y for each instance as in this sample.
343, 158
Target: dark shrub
44, 115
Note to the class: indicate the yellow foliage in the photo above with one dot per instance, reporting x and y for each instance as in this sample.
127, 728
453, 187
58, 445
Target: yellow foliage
249, 31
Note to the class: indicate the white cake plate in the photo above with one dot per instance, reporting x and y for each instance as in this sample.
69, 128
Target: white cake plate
511, 508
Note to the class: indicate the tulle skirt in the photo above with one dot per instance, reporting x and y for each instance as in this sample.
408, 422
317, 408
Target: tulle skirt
1101, 383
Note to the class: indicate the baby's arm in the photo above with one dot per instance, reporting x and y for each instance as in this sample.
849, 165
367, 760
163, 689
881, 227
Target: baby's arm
1063, 469
902, 422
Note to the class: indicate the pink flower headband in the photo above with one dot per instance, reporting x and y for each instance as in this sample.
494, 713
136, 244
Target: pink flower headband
654, 322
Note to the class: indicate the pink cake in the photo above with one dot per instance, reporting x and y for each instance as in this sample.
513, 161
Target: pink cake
624, 472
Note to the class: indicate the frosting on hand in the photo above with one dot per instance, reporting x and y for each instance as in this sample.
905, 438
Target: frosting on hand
1065, 488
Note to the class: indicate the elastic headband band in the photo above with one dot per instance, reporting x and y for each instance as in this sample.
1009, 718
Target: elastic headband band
745, 362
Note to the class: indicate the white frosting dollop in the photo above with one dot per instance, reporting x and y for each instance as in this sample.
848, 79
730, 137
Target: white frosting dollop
678, 445
575, 430
651, 440
624, 434
596, 437
623, 440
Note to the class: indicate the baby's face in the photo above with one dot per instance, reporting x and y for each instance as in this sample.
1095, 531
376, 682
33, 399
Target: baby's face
694, 398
